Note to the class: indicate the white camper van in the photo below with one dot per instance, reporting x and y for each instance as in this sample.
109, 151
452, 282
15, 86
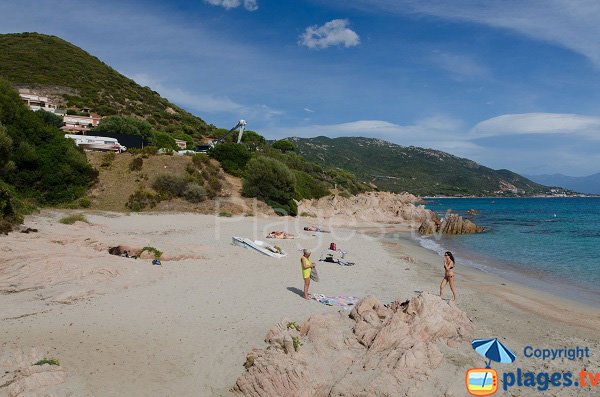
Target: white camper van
97, 143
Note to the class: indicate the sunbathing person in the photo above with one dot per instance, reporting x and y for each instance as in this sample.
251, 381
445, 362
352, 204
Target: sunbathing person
314, 228
280, 235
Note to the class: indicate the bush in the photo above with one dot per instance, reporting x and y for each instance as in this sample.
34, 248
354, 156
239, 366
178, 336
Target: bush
50, 118
284, 145
194, 193
157, 253
107, 159
9, 214
170, 185
85, 202
124, 125
233, 157
141, 200
71, 219
136, 164
273, 182
163, 140
200, 160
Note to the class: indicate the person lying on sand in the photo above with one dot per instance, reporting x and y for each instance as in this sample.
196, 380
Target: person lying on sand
314, 228
280, 235
448, 274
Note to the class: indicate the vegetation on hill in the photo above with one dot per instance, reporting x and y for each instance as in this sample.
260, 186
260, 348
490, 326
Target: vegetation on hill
48, 62
424, 172
275, 174
37, 164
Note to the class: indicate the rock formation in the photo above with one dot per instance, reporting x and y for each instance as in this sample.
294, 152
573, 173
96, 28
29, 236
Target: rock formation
452, 224
379, 350
374, 207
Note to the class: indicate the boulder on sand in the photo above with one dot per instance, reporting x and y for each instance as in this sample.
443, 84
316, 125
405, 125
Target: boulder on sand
378, 350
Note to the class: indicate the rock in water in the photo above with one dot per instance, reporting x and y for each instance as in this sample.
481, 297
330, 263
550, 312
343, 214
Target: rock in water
452, 224
376, 351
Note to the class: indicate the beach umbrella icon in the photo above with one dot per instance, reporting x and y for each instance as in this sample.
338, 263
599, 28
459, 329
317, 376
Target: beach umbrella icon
493, 349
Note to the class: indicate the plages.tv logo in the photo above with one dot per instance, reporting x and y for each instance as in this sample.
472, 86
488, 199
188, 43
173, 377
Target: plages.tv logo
484, 381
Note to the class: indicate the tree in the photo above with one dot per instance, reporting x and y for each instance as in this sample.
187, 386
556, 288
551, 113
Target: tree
50, 118
273, 182
284, 145
125, 125
163, 140
233, 157
253, 140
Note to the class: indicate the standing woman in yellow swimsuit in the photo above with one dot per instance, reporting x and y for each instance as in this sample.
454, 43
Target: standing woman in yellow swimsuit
448, 274
307, 266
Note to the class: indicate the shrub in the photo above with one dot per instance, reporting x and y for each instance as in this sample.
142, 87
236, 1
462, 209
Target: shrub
107, 159
85, 202
150, 150
194, 193
124, 125
200, 160
49, 361
284, 145
71, 219
9, 214
225, 214
163, 140
141, 200
156, 252
273, 182
136, 164
233, 157
170, 185
50, 118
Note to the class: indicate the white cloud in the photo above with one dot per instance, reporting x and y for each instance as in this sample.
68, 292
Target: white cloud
571, 24
250, 5
335, 32
539, 123
309, 110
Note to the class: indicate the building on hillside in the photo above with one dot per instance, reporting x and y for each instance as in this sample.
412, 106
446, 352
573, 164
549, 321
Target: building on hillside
36, 102
181, 144
80, 124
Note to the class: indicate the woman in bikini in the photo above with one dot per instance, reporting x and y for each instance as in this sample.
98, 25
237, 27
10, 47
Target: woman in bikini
448, 274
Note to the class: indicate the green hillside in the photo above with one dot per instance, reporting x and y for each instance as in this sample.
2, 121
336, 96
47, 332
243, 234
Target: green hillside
49, 63
425, 172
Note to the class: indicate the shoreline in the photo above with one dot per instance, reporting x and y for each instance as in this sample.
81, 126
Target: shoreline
509, 272
121, 326
506, 286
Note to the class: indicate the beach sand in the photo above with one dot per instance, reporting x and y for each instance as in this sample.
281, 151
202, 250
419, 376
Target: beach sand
121, 326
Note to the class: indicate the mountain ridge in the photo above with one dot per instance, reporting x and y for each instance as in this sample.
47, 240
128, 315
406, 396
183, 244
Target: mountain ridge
589, 184
425, 172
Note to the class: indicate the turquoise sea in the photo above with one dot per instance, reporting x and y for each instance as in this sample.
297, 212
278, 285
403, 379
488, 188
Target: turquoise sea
547, 243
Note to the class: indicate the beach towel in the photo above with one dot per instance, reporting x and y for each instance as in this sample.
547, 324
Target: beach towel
314, 276
346, 302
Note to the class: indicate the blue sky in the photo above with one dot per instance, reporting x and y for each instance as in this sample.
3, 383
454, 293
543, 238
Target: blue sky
510, 84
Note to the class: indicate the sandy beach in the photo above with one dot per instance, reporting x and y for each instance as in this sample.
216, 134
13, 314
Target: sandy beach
121, 326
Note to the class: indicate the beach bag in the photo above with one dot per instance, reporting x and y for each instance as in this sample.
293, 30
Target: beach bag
314, 276
333, 247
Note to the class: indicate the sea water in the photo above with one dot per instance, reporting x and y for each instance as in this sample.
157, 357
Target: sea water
549, 243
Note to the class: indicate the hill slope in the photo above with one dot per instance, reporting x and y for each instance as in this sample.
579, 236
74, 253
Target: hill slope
419, 171
65, 71
585, 184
